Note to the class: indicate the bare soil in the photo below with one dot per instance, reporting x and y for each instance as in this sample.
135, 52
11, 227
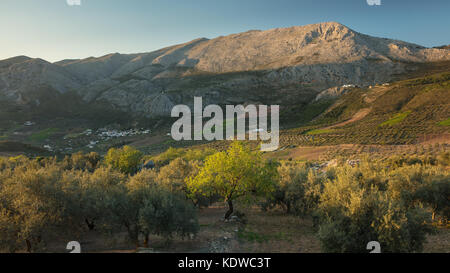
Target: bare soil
261, 232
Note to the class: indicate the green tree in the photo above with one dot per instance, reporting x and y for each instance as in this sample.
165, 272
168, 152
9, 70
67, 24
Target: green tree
353, 214
165, 213
174, 177
236, 173
126, 160
33, 206
297, 190
144, 207
437, 195
81, 161
98, 191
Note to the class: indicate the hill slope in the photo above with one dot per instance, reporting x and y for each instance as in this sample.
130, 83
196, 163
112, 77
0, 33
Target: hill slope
287, 66
404, 112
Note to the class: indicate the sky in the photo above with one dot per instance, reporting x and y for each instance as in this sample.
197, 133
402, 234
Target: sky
54, 30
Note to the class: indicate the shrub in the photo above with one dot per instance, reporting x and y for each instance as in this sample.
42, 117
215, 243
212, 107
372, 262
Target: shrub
33, 207
171, 154
143, 207
126, 160
81, 161
167, 214
351, 215
174, 177
436, 194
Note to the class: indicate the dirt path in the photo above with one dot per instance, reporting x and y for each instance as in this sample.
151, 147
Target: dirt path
376, 92
358, 116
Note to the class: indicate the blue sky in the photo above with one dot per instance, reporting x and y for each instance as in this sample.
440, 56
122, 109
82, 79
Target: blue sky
53, 30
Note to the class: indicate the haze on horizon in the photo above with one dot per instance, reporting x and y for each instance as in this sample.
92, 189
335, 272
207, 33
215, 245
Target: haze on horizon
53, 30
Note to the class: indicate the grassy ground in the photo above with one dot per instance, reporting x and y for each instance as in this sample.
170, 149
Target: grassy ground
43, 135
263, 232
445, 122
397, 118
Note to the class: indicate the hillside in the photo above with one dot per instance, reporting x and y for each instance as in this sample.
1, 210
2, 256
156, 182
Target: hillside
287, 66
403, 112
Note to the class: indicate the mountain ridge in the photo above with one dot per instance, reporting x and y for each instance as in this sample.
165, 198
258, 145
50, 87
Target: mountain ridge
284, 65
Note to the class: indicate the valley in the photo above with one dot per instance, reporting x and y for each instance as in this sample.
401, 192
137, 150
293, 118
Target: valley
364, 128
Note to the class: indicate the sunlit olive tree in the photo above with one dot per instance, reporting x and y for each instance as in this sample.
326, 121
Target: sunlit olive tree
127, 159
237, 172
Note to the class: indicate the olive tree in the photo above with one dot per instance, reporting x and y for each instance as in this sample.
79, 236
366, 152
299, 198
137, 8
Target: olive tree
33, 206
126, 159
352, 214
145, 207
237, 172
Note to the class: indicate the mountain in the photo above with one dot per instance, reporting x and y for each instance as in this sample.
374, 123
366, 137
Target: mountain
20, 76
286, 66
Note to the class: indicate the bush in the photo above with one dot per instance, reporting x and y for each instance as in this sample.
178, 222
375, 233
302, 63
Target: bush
144, 207
80, 161
296, 191
126, 160
33, 205
167, 214
352, 214
174, 177
436, 194
171, 154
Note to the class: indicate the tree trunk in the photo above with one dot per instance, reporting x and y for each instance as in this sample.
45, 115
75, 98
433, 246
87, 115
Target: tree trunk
133, 234
288, 208
28, 245
230, 209
146, 241
90, 225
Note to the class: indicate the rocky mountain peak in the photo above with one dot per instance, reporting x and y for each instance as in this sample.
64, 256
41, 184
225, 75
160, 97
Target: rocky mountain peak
291, 64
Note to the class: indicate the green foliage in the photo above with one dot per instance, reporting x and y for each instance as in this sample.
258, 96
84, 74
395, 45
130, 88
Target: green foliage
437, 195
392, 200
45, 200
126, 159
43, 135
186, 154
166, 214
81, 161
33, 204
370, 203
174, 177
445, 122
146, 208
297, 191
397, 118
236, 173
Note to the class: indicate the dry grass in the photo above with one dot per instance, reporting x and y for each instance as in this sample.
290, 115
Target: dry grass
276, 232
438, 243
264, 232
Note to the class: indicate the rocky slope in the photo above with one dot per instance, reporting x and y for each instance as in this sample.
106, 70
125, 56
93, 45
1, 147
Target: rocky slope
287, 66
